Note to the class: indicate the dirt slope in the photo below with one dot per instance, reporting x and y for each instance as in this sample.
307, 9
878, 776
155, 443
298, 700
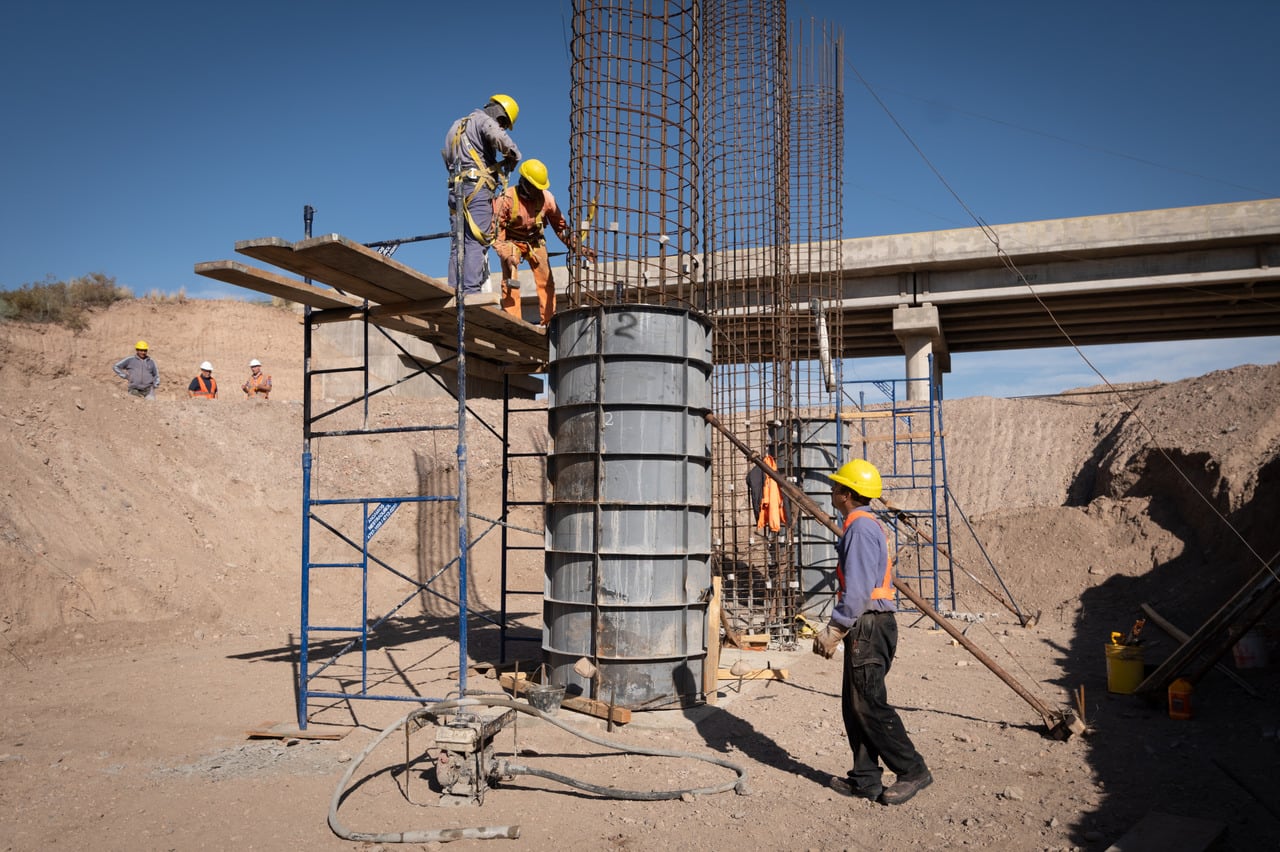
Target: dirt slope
149, 556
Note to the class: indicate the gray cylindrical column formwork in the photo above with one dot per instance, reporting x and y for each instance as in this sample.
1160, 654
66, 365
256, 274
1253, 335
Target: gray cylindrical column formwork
818, 452
628, 541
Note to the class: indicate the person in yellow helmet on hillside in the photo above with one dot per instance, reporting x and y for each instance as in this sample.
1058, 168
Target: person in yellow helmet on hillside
139, 371
477, 152
520, 213
864, 621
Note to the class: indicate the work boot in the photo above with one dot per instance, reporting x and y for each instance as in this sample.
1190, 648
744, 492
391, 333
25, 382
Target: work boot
845, 787
904, 788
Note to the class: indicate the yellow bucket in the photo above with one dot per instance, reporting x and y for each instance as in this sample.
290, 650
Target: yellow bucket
1124, 668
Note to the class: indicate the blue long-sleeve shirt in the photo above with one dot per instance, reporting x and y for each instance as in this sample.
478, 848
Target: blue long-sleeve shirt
482, 135
863, 554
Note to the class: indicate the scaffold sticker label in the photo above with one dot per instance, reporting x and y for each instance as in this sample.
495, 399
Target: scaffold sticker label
377, 518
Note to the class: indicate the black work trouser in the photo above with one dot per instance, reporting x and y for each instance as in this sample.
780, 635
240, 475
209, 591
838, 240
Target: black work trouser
876, 733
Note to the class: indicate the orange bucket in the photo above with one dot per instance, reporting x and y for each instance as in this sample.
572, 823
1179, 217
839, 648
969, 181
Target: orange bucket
1180, 699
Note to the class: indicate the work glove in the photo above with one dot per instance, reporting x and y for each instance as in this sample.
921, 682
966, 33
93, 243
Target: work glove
828, 639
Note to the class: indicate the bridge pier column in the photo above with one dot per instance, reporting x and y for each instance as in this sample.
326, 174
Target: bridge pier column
920, 333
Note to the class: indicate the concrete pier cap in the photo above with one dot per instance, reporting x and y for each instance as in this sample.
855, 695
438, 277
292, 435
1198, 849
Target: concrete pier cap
919, 330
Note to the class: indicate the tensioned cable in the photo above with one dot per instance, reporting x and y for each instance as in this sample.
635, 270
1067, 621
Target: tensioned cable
1009, 264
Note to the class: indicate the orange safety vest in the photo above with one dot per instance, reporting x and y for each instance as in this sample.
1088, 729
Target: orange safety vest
884, 591
206, 391
772, 511
252, 386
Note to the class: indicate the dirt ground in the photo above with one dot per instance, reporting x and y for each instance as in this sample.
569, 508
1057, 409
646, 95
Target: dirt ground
149, 599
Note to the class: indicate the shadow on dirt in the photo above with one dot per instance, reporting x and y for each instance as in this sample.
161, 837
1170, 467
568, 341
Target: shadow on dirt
1217, 770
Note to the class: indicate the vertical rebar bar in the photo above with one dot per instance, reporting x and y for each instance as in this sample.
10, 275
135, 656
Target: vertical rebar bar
705, 172
634, 150
745, 132
816, 180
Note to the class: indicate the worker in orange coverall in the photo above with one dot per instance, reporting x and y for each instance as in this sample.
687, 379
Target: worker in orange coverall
520, 214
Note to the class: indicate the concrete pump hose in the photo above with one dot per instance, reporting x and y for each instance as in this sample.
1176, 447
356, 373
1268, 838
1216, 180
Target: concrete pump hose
738, 785
437, 835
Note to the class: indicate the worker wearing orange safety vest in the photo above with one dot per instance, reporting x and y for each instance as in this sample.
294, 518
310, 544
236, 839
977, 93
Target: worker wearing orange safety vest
204, 386
864, 622
520, 213
258, 385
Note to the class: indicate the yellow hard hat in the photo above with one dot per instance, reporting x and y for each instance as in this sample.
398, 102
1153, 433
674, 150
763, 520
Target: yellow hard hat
141, 344
536, 173
509, 106
861, 476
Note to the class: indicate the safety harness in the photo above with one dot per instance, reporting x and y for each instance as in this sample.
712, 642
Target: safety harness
885, 590
483, 176
526, 245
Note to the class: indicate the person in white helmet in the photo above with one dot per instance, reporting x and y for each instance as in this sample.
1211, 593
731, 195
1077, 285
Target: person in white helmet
204, 386
258, 385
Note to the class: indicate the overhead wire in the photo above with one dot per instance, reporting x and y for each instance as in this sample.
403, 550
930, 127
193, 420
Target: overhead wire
1010, 265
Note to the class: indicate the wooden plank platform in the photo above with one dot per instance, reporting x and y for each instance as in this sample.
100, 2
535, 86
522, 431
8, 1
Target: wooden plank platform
252, 278
399, 298
332, 306
358, 269
279, 252
587, 706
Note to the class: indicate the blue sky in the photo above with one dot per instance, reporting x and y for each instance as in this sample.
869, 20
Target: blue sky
140, 138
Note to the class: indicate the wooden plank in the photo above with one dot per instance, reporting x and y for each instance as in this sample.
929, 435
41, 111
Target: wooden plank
428, 306
279, 252
712, 663
419, 309
363, 263
490, 330
357, 261
1182, 637
587, 706
1159, 832
252, 278
755, 674
337, 307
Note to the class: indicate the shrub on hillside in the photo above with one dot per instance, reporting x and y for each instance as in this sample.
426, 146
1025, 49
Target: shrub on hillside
61, 302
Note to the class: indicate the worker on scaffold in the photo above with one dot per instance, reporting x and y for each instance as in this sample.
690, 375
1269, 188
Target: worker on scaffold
520, 214
478, 153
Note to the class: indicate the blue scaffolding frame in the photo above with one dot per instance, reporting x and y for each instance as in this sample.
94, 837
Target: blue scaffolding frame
375, 511
912, 461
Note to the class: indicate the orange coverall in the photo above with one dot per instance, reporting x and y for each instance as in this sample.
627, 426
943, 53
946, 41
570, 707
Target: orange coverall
520, 220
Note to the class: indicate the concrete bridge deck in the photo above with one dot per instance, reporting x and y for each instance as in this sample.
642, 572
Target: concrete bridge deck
1176, 274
